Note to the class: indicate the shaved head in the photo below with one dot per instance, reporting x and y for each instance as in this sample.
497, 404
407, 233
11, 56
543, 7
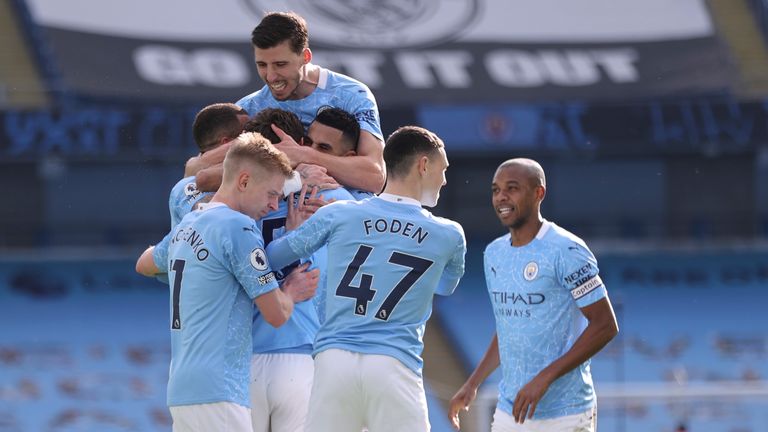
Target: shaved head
533, 170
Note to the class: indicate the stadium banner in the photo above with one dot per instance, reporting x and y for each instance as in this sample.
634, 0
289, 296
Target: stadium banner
703, 126
691, 126
419, 50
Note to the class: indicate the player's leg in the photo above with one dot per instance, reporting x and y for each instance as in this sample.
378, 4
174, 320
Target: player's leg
260, 379
289, 390
396, 401
336, 403
582, 422
213, 416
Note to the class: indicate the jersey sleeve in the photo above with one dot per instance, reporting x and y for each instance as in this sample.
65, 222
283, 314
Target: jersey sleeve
454, 269
579, 274
183, 197
160, 253
304, 240
363, 106
244, 254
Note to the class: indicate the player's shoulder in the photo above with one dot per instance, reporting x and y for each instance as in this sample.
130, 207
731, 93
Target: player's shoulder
444, 223
498, 242
552, 233
338, 82
560, 239
253, 100
222, 219
338, 194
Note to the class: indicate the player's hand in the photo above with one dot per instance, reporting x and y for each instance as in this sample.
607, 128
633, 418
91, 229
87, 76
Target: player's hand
300, 284
304, 208
315, 175
461, 401
295, 152
528, 397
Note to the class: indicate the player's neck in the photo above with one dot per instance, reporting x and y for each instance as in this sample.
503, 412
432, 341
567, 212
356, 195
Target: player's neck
223, 196
308, 82
403, 188
525, 234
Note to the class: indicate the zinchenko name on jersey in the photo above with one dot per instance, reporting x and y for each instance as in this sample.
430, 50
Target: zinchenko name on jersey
194, 239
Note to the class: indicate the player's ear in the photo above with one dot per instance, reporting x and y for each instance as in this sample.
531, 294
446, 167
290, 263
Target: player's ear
306, 55
350, 153
541, 192
422, 166
242, 180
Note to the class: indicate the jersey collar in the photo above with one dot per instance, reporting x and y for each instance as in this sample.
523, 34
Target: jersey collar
322, 80
210, 205
543, 230
398, 199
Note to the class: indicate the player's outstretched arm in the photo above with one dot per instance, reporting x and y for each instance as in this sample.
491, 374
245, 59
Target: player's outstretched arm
467, 393
365, 171
145, 265
601, 329
276, 306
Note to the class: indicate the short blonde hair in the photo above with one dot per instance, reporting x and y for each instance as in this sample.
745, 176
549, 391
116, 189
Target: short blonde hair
253, 148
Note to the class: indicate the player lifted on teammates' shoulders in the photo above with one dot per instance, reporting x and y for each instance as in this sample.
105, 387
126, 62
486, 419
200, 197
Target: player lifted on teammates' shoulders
293, 83
552, 314
390, 256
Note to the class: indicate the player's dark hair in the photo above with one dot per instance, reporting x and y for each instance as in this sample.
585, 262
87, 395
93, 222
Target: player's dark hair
285, 120
405, 145
214, 122
339, 119
277, 27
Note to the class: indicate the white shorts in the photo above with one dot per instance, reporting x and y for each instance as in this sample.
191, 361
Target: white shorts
219, 416
280, 387
583, 422
352, 391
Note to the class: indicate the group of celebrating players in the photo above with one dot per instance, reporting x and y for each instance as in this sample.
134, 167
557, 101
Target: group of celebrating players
294, 205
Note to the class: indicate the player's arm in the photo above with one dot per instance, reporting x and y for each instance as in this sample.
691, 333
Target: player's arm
276, 306
209, 179
205, 160
304, 240
363, 171
467, 393
454, 270
145, 265
153, 262
601, 329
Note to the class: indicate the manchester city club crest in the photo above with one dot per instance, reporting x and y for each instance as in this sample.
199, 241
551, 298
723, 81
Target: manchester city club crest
531, 270
377, 23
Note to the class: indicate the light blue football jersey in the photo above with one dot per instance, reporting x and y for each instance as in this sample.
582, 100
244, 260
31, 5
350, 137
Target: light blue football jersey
536, 291
333, 90
387, 258
298, 334
184, 195
217, 266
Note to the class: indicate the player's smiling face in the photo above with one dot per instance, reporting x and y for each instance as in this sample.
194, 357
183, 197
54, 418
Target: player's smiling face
281, 69
514, 196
